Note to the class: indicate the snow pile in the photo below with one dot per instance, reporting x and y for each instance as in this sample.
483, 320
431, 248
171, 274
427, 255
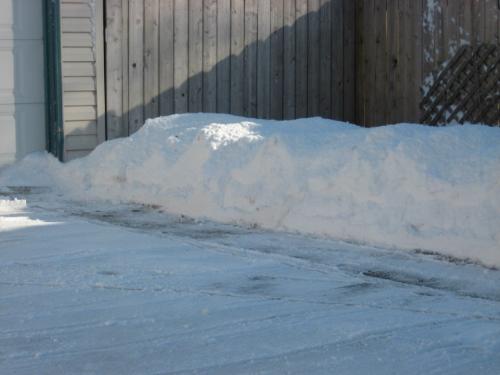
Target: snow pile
403, 186
9, 205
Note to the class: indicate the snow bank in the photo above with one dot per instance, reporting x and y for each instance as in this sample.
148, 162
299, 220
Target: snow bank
402, 186
10, 205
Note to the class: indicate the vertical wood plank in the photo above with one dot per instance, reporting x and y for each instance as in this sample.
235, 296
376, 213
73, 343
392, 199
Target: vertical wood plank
369, 62
439, 34
349, 64
181, 58
416, 77
209, 55
491, 21
277, 59
114, 70
447, 31
195, 85
429, 40
337, 56
405, 59
237, 57
453, 29
498, 24
301, 66
263, 56
136, 65
125, 65
393, 61
361, 61
325, 49
151, 58
166, 57
380, 100
251, 35
289, 59
313, 62
478, 29
464, 21
445, 35
223, 56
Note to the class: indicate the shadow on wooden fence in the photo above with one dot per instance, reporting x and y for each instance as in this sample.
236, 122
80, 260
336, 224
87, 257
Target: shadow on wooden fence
266, 59
362, 61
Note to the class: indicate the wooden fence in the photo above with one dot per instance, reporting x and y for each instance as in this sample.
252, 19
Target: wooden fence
363, 61
402, 43
259, 58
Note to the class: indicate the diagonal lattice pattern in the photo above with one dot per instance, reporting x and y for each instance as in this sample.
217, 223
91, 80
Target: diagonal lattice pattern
467, 90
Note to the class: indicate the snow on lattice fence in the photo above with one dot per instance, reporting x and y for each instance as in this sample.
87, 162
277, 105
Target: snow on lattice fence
467, 89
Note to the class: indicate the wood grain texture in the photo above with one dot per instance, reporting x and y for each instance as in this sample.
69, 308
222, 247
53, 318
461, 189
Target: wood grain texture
209, 55
379, 105
114, 70
363, 61
250, 63
125, 59
166, 57
223, 56
151, 58
301, 65
263, 59
237, 56
276, 105
136, 65
337, 54
416, 73
181, 56
349, 73
195, 99
260, 58
325, 59
393, 64
289, 54
313, 57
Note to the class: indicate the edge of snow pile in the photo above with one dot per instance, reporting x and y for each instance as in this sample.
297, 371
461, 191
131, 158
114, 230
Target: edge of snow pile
402, 186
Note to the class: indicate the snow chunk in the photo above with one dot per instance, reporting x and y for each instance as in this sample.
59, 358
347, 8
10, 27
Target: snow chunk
9, 205
223, 134
403, 186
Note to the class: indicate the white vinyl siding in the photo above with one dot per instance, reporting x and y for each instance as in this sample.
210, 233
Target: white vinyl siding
83, 90
22, 93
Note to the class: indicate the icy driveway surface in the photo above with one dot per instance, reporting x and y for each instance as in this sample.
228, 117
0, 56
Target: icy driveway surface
129, 290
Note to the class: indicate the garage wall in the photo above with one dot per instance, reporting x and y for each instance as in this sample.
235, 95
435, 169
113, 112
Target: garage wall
83, 76
22, 102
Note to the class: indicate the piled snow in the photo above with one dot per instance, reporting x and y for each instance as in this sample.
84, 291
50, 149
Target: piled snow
8, 205
403, 186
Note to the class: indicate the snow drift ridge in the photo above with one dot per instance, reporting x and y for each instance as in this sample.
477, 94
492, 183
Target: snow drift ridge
403, 186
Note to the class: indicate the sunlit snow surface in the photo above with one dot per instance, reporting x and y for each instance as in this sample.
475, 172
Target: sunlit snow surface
402, 186
127, 289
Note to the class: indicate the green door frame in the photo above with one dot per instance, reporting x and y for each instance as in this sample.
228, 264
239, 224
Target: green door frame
53, 78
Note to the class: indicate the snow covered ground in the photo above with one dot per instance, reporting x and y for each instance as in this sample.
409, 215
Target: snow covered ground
120, 262
88, 288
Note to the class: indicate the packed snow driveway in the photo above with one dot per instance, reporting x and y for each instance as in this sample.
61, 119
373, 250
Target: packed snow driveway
128, 289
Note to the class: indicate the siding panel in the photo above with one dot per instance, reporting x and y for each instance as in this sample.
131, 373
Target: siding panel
83, 76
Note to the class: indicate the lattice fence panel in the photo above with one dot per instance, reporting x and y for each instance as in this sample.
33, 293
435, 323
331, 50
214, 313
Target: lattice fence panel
467, 90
